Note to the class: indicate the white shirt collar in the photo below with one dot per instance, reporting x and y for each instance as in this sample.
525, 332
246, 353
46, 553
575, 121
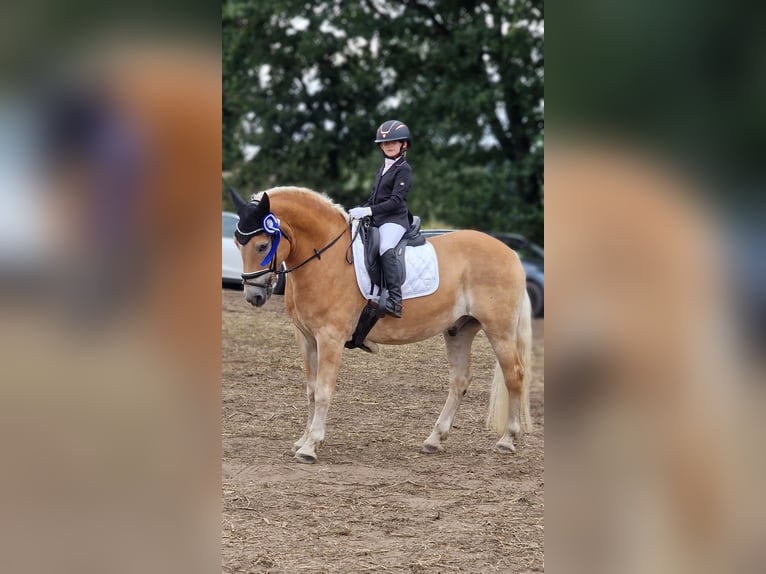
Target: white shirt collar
387, 163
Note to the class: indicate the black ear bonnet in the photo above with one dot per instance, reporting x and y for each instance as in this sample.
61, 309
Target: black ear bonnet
255, 217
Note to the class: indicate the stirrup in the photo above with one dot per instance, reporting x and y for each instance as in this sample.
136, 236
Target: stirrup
393, 309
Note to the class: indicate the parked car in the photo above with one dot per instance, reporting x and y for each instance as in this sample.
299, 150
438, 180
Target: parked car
531, 255
231, 260
746, 270
532, 258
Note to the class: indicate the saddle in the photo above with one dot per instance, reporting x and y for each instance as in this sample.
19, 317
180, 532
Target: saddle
371, 239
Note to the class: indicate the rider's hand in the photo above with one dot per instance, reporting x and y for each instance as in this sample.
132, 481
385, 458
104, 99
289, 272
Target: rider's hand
360, 212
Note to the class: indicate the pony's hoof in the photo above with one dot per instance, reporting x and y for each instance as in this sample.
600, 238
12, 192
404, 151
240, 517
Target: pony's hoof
431, 449
305, 458
373, 347
505, 448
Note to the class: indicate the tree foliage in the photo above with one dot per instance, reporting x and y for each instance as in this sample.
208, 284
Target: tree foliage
307, 83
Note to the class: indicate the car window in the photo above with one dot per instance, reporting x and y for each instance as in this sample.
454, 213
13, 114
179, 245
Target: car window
527, 250
537, 251
228, 225
529, 253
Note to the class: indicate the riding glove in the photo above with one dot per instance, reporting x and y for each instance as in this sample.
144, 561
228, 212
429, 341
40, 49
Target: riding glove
360, 212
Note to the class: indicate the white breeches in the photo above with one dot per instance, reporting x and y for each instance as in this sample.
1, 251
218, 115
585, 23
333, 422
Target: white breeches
390, 235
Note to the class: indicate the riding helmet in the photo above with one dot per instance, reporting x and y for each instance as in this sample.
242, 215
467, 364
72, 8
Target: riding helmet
392, 131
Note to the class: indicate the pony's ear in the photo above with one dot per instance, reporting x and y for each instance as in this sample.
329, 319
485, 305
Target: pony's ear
264, 203
238, 201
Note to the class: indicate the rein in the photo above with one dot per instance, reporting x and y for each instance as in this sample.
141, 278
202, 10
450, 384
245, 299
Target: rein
247, 277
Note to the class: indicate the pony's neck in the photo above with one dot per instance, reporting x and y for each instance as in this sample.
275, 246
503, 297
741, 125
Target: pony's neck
314, 223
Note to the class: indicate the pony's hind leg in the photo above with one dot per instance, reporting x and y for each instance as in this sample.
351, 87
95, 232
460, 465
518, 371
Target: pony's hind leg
458, 343
506, 396
308, 348
509, 400
508, 409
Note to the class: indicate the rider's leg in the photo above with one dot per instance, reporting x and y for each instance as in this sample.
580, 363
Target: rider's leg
390, 235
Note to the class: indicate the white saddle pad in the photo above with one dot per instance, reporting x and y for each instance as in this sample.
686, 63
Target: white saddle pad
422, 276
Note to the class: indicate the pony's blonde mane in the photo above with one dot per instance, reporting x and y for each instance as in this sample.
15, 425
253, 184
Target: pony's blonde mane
304, 191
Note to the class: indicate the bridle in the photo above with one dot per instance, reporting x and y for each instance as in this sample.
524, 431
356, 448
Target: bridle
272, 269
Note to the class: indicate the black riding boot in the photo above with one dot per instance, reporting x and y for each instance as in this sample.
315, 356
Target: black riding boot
393, 274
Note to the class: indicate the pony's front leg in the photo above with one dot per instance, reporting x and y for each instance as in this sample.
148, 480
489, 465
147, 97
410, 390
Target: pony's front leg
308, 346
328, 364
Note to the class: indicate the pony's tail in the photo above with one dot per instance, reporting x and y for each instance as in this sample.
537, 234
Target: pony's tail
497, 417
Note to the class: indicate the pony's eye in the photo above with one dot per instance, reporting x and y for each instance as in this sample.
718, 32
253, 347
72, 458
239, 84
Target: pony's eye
262, 248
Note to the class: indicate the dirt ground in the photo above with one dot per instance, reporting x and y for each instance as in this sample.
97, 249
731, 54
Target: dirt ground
373, 502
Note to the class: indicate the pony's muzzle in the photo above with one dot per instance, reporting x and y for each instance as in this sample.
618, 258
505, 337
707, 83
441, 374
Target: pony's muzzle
257, 295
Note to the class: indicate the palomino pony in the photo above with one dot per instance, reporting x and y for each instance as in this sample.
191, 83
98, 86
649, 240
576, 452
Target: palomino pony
482, 286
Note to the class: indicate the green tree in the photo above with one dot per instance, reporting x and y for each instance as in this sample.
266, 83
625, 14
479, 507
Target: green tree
306, 84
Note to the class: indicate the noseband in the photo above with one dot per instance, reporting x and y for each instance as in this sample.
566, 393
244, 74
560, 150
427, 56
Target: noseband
247, 278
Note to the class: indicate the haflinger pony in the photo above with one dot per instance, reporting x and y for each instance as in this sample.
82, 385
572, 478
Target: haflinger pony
481, 286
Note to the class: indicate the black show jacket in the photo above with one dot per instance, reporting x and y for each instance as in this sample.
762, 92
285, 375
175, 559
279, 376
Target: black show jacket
388, 200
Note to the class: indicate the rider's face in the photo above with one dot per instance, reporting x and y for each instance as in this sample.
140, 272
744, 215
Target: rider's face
391, 149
